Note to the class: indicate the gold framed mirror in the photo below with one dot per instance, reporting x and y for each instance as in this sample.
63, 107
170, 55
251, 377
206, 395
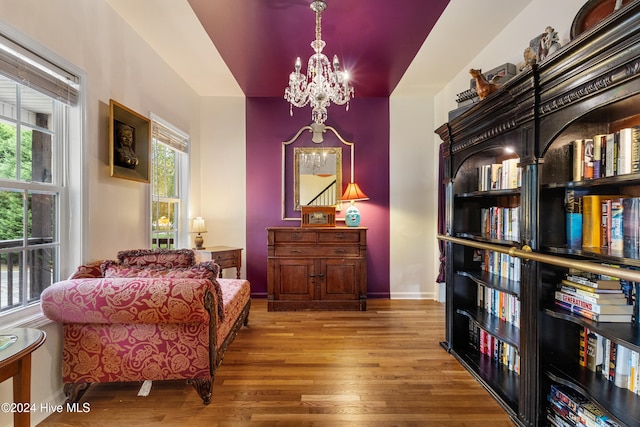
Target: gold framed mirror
299, 179
317, 176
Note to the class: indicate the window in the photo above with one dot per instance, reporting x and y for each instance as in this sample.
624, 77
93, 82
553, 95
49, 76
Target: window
36, 98
169, 166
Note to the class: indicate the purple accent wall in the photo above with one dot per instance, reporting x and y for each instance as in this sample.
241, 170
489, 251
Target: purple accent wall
366, 124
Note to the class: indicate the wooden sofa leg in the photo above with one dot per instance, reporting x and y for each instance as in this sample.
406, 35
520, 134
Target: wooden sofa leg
203, 386
75, 391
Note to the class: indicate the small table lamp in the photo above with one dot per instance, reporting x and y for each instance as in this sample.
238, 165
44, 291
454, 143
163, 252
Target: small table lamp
353, 193
198, 226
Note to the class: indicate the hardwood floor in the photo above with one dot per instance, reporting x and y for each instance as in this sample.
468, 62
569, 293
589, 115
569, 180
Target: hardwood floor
382, 367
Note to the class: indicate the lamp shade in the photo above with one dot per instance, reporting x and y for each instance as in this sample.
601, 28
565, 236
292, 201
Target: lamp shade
198, 225
353, 193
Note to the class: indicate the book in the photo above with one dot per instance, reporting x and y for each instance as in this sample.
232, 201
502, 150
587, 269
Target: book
610, 155
587, 168
594, 352
595, 308
611, 318
597, 155
582, 347
623, 367
594, 282
573, 209
603, 156
631, 224
605, 223
596, 298
624, 151
591, 219
587, 288
613, 353
578, 159
616, 234
635, 150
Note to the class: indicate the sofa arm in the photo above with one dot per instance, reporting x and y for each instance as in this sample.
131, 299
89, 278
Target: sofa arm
128, 300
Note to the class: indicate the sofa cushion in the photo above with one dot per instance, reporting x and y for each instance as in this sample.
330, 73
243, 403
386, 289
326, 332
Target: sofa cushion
204, 270
89, 270
161, 258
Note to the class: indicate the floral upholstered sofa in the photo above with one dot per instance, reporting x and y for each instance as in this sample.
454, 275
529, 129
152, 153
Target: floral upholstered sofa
150, 315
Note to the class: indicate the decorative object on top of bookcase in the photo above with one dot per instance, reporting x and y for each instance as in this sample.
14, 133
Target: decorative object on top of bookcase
546, 44
588, 91
593, 12
484, 88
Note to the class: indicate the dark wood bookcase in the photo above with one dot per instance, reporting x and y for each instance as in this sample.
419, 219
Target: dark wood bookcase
590, 86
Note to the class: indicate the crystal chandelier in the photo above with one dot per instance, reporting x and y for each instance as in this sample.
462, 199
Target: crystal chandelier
322, 84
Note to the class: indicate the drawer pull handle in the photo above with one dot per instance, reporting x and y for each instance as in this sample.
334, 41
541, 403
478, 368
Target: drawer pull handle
295, 251
340, 251
340, 236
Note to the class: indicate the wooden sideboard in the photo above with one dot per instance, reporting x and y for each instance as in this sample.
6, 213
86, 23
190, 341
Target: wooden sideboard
317, 268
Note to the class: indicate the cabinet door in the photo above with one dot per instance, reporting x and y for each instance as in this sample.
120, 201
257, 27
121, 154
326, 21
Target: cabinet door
341, 279
293, 279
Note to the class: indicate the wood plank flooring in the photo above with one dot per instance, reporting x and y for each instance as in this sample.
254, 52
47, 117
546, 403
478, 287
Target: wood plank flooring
382, 367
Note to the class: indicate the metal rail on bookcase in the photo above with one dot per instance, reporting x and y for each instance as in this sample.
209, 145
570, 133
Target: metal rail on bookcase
527, 253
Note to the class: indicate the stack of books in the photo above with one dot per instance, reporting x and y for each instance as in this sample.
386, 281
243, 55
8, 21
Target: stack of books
569, 408
601, 300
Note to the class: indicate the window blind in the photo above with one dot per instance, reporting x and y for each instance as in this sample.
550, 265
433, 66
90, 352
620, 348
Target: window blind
28, 68
170, 136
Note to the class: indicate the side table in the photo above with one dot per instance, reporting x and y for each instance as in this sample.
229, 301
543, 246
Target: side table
16, 346
226, 257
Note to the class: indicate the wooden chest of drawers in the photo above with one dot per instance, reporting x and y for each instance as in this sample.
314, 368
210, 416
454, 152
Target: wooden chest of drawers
317, 268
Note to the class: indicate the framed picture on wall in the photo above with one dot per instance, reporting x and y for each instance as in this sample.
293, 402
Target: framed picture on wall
129, 143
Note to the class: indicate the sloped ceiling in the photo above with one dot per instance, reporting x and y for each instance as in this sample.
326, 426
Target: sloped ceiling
376, 40
248, 47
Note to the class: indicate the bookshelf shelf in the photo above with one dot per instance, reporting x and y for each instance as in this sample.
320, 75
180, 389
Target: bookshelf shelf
494, 325
493, 281
590, 87
501, 382
626, 334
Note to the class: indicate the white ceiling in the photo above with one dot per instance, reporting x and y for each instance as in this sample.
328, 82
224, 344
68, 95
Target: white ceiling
464, 29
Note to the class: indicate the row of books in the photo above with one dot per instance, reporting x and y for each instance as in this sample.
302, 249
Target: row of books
501, 264
492, 347
616, 363
499, 304
500, 176
604, 155
567, 407
500, 222
607, 221
598, 299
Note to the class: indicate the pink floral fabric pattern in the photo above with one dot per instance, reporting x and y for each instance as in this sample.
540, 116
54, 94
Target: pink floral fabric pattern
127, 300
89, 270
135, 352
164, 258
205, 270
139, 328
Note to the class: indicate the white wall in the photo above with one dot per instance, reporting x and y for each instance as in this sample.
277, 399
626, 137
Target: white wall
222, 181
118, 65
413, 198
